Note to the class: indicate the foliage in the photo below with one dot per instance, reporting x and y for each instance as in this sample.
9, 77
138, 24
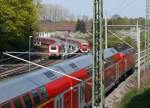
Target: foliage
80, 26
130, 41
51, 13
142, 39
17, 22
112, 41
136, 99
118, 20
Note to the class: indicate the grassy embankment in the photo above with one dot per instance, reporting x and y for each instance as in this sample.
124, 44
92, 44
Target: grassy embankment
139, 98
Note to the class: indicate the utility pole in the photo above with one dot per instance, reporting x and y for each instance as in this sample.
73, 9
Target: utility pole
138, 48
98, 95
147, 34
106, 34
29, 51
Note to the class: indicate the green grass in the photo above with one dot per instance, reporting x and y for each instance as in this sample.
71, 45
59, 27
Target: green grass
136, 99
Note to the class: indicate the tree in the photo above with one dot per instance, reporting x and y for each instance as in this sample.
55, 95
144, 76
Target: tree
80, 26
112, 41
130, 41
55, 13
17, 22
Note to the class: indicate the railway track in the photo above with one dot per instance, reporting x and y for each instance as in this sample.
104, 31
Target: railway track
117, 94
20, 68
17, 69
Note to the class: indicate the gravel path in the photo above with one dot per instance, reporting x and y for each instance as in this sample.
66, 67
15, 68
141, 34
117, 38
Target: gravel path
116, 95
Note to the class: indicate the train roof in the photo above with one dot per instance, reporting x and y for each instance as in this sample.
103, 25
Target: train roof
109, 52
122, 47
76, 64
79, 40
50, 38
24, 83
27, 82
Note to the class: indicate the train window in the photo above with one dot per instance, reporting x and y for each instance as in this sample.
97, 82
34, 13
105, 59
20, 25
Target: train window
89, 70
81, 93
53, 47
49, 74
109, 61
27, 101
59, 103
36, 97
6, 105
18, 103
74, 66
44, 93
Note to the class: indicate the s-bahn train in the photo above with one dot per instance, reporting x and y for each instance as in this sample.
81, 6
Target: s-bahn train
82, 45
45, 41
57, 49
46, 89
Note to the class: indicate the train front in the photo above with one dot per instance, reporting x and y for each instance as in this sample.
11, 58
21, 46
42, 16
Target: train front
54, 51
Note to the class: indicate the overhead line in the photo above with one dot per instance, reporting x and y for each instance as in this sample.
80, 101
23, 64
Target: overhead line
42, 67
114, 34
120, 4
124, 7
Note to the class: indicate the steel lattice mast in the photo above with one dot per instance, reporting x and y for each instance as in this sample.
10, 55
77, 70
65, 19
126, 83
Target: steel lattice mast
147, 34
98, 45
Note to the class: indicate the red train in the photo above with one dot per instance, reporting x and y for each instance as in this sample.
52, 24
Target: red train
44, 40
47, 89
76, 45
55, 50
83, 45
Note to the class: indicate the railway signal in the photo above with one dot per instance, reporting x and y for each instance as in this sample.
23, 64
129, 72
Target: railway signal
98, 63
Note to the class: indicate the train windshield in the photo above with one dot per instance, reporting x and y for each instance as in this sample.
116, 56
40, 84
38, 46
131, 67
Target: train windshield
53, 48
108, 52
84, 45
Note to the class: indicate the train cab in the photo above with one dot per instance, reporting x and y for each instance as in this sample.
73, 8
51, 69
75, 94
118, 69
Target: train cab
84, 47
54, 50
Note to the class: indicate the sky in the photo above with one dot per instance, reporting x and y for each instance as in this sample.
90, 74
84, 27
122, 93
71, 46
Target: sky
129, 8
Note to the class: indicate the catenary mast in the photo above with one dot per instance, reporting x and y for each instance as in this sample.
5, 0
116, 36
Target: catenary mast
98, 63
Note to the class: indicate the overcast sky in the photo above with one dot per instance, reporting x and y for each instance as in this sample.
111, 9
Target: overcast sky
130, 8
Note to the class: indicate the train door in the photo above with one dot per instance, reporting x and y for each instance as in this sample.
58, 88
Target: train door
122, 68
117, 72
125, 65
81, 96
59, 102
71, 98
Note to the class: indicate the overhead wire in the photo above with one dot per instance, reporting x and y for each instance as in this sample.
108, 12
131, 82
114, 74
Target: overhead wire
47, 68
120, 4
42, 66
123, 7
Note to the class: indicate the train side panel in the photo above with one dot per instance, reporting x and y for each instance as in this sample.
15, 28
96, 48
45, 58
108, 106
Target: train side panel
48, 104
71, 98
